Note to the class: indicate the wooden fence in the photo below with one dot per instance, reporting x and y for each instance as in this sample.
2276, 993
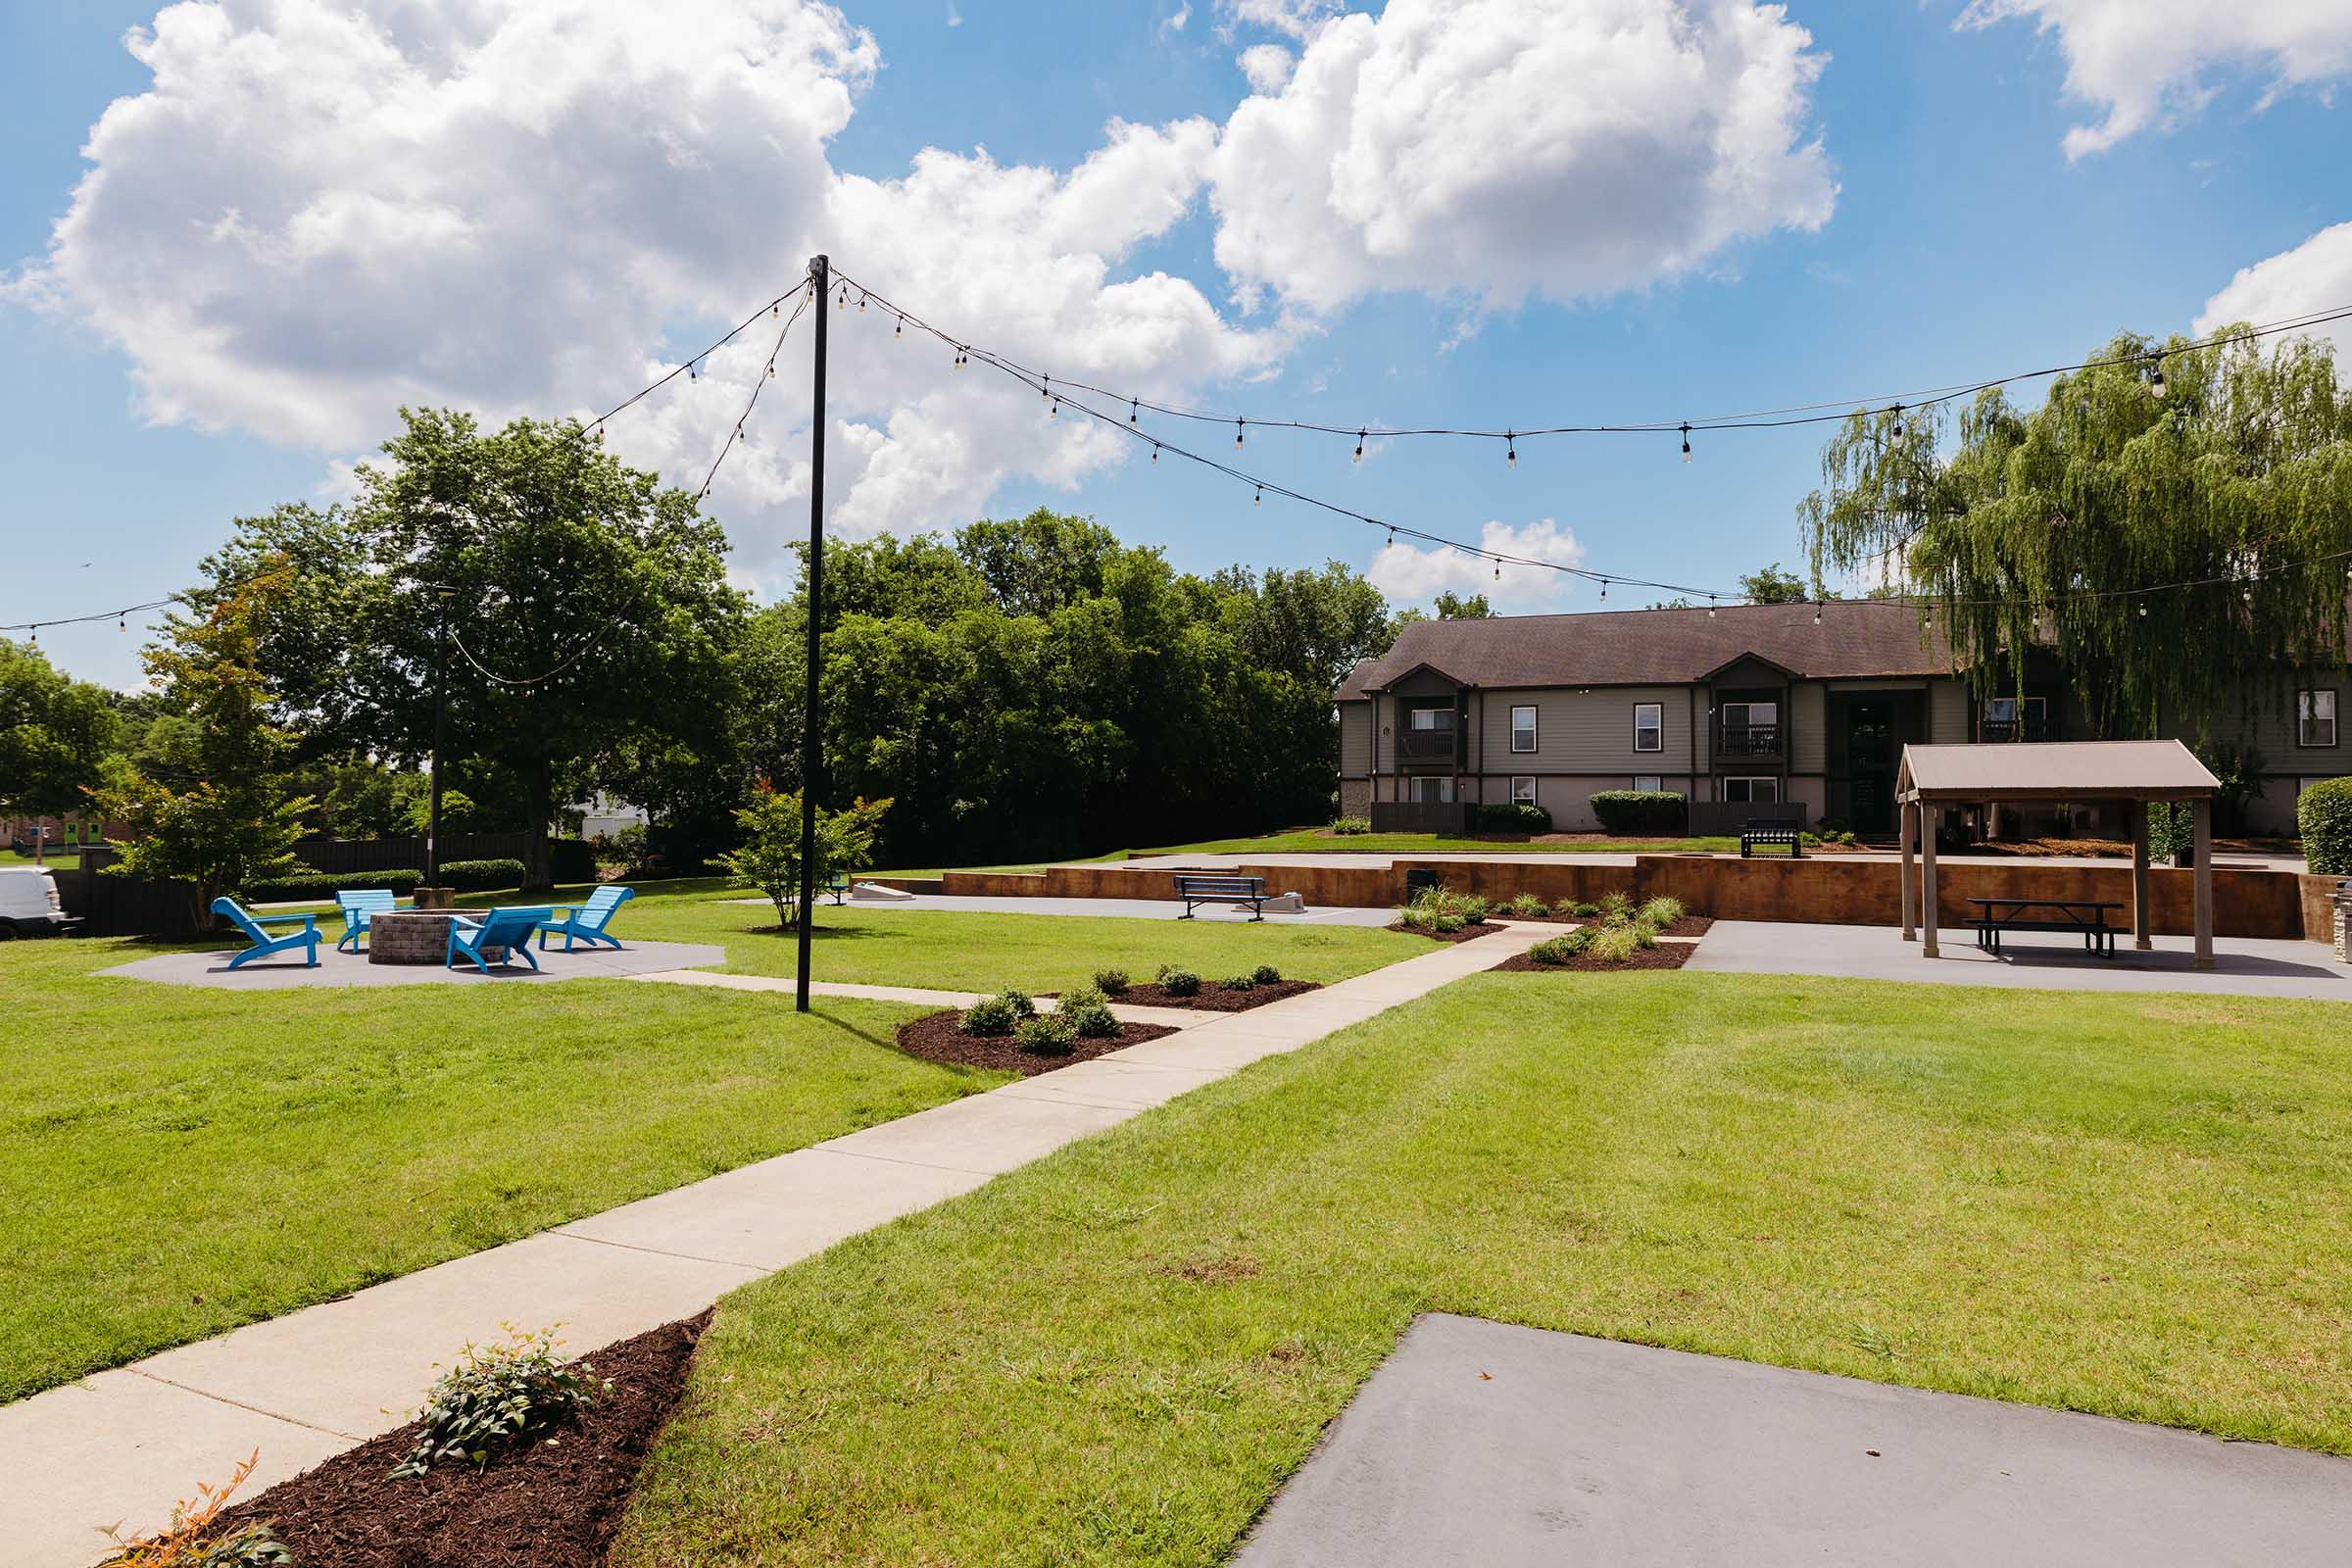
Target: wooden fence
340, 856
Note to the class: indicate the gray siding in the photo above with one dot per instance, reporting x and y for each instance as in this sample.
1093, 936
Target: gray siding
1809, 728
1948, 712
1587, 732
2267, 722
1356, 740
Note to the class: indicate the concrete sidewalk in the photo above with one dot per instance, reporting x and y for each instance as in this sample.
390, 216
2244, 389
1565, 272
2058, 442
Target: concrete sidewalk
1515, 1447
121, 1446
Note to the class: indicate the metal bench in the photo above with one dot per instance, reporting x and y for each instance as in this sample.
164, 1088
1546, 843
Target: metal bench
1196, 891
2082, 918
1762, 835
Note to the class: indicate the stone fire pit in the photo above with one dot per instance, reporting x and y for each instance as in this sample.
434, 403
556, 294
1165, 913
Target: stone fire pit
408, 936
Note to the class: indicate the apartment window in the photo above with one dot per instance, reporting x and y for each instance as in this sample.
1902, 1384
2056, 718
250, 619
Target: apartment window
1649, 726
2015, 718
1428, 720
1651, 782
1763, 789
1428, 790
1523, 789
2314, 718
1523, 728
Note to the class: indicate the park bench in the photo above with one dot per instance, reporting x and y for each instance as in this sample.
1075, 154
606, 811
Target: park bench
1196, 891
357, 905
1763, 835
2083, 917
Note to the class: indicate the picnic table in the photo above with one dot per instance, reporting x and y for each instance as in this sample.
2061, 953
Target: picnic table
2087, 917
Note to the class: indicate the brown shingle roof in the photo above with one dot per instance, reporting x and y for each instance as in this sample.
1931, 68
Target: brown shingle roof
1661, 646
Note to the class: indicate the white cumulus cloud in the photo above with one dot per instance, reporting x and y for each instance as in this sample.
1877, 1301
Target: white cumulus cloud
2316, 275
2154, 63
1267, 65
1516, 148
1408, 574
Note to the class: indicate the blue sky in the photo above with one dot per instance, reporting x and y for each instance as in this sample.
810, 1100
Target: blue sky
1962, 240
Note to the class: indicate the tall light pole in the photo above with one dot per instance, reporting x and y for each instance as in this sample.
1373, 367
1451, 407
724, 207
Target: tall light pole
432, 817
813, 739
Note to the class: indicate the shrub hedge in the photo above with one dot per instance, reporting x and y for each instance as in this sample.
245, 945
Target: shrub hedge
2324, 815
1639, 812
472, 875
1512, 816
327, 884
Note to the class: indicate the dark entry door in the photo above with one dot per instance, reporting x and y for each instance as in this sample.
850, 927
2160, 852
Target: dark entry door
1870, 760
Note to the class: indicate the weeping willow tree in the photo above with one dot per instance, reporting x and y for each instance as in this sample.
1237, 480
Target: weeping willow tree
2224, 466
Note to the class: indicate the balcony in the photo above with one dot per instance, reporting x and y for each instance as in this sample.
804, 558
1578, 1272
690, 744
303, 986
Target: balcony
1426, 746
2034, 728
1749, 740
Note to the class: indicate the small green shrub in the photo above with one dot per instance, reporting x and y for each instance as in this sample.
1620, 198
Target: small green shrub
1238, 982
499, 1395
1662, 913
990, 1018
1111, 982
2324, 816
1415, 917
1081, 997
1645, 935
1617, 944
1528, 907
1581, 908
1051, 1034
1178, 982
474, 875
1265, 974
1095, 1021
1616, 908
1447, 924
1467, 907
189, 1541
1635, 813
1512, 816
1022, 1004
1561, 948
1350, 826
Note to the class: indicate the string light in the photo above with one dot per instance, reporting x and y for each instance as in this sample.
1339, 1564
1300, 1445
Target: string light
1260, 499
1817, 615
690, 374
900, 330
1510, 450
1045, 389
775, 312
1237, 435
843, 303
1154, 452
1604, 590
862, 303
1131, 408
1710, 607
2156, 374
1052, 407
1685, 443
1359, 445
1898, 421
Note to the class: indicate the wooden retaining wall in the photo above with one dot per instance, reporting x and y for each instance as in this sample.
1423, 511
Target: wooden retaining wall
1824, 889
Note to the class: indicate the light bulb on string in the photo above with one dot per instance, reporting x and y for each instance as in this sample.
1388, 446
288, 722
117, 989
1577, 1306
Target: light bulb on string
1898, 421
690, 371
1154, 452
1604, 590
771, 370
123, 621
1052, 407
2143, 611
2156, 375
1498, 571
843, 303
1817, 615
1133, 403
1710, 607
1237, 435
1045, 389
1685, 443
1510, 448
1359, 446
900, 330
1260, 499
861, 304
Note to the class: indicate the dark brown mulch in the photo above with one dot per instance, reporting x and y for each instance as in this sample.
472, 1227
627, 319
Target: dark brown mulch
553, 1506
933, 1037
1485, 928
1665, 955
1690, 925
1215, 998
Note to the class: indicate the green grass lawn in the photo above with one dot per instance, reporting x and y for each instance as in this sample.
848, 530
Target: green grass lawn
174, 1161
961, 951
2129, 1204
54, 860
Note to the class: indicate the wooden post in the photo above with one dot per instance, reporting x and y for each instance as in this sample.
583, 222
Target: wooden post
1907, 824
1928, 824
2201, 813
2139, 875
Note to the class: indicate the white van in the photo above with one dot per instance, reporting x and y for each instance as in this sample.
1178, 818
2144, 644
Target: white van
28, 904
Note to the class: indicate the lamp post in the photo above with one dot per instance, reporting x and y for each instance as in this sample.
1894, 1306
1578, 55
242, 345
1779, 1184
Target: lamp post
813, 740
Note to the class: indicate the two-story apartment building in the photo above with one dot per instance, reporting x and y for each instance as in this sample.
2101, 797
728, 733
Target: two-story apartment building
1783, 705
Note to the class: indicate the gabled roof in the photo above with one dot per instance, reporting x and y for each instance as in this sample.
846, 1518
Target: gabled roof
1856, 638
2053, 770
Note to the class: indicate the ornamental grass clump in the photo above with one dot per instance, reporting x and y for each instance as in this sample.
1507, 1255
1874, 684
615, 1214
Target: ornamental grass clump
1567, 945
1178, 982
1445, 925
1617, 944
500, 1396
1528, 907
1051, 1034
1616, 908
1661, 912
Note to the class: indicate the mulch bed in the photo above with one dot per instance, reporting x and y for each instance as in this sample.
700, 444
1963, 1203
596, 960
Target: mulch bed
1212, 996
1690, 925
1485, 928
553, 1506
1665, 955
933, 1037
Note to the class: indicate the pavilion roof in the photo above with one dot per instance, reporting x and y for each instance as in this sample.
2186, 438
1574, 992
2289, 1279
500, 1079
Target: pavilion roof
2053, 770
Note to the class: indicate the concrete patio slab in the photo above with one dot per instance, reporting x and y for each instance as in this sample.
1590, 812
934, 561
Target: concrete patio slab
1513, 1447
2244, 966
776, 1212
211, 968
361, 1365
68, 1451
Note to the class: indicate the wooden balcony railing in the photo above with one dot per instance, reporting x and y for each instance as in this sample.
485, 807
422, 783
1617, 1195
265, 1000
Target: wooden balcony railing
1749, 740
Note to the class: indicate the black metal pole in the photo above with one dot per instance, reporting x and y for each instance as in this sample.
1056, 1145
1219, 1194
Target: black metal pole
433, 815
813, 737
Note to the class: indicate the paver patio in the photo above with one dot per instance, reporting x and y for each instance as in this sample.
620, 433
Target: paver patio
2242, 965
121, 1446
211, 968
1513, 1447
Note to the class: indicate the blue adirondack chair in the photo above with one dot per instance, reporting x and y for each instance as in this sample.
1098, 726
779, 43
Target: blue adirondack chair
263, 944
586, 922
357, 906
510, 929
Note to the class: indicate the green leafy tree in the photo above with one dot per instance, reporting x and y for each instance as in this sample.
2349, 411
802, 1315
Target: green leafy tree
2057, 527
56, 734
591, 630
1451, 605
1773, 586
234, 822
769, 857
